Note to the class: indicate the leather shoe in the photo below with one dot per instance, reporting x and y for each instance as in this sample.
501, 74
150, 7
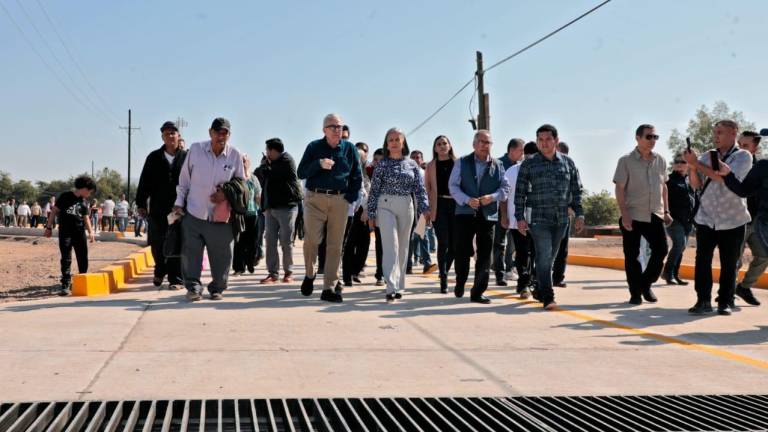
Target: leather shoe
157, 281
338, 288
482, 299
723, 309
307, 286
669, 281
680, 281
560, 284
398, 296
746, 295
458, 290
443, 285
700, 308
330, 296
636, 300
649, 296
501, 282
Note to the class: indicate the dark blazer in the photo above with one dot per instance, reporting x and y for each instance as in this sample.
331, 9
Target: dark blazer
158, 182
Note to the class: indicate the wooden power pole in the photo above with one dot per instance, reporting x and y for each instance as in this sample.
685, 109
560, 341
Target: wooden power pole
130, 129
484, 118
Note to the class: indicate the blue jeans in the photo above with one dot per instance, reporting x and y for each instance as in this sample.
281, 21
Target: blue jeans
546, 241
122, 224
679, 233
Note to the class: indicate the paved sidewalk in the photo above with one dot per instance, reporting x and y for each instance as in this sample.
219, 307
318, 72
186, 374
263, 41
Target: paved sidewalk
269, 341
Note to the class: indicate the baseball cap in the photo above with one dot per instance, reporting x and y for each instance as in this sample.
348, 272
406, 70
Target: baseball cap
221, 123
169, 125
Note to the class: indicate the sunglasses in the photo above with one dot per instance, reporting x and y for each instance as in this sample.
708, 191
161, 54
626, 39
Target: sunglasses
651, 137
680, 162
335, 127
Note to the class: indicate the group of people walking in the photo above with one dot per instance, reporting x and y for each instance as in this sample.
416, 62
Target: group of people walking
211, 198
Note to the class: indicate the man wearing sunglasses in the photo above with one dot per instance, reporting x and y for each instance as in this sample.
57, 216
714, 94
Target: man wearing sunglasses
641, 192
331, 167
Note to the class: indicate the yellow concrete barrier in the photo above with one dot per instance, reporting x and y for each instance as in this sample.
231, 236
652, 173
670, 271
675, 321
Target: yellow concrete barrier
140, 259
148, 255
90, 284
115, 276
129, 267
686, 271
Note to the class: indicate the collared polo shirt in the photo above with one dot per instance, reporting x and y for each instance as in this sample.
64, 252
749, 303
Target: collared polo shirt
643, 182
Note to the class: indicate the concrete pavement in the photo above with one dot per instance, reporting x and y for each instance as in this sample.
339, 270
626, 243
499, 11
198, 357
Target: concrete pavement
269, 341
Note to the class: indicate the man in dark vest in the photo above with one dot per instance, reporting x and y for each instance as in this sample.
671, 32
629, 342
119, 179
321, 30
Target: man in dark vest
155, 196
477, 183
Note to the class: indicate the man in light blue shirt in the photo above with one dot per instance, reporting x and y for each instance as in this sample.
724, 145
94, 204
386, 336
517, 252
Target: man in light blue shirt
209, 164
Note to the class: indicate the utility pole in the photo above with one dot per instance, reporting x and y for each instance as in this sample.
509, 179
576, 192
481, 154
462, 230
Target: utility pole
484, 116
181, 124
130, 129
93, 176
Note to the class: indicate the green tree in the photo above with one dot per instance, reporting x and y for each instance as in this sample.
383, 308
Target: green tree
109, 182
55, 188
700, 128
6, 185
24, 190
600, 208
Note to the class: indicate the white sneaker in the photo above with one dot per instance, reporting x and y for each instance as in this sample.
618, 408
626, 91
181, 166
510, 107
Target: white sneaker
511, 275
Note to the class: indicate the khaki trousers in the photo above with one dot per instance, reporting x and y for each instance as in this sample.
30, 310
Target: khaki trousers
330, 211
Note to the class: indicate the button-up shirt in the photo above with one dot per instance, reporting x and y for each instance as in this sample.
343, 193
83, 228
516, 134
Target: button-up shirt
548, 187
454, 182
720, 208
345, 175
201, 173
643, 182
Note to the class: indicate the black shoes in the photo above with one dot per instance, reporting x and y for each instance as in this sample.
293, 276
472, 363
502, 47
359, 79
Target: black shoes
482, 299
560, 284
157, 281
307, 286
701, 308
458, 290
65, 291
746, 295
338, 288
636, 300
680, 281
216, 296
724, 309
649, 296
390, 298
347, 283
443, 285
501, 282
398, 296
356, 279
331, 296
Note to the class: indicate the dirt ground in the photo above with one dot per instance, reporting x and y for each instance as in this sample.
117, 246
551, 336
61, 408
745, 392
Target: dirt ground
29, 266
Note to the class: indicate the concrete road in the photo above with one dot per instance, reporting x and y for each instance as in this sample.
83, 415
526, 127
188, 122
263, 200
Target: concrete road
269, 341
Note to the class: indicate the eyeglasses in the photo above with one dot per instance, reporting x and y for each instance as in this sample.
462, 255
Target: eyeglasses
335, 127
680, 162
651, 137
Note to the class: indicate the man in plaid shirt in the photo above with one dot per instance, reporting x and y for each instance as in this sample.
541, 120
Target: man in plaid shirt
548, 184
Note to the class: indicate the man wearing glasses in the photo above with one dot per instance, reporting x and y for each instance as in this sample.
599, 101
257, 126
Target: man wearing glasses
641, 192
331, 167
682, 200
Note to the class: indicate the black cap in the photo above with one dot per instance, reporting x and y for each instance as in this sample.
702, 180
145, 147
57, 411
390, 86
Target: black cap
764, 132
221, 123
169, 125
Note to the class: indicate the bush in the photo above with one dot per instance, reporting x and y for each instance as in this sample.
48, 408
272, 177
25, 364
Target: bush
600, 209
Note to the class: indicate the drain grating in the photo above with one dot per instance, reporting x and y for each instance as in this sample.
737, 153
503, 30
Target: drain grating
577, 413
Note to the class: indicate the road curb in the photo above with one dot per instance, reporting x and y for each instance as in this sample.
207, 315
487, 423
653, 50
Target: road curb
114, 277
686, 271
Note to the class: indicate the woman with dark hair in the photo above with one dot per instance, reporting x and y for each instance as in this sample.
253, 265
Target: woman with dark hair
443, 205
391, 207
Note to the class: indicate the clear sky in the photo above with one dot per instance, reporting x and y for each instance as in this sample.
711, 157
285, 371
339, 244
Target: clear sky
275, 68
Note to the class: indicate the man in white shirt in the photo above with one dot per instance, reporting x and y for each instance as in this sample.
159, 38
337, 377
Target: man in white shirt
22, 215
121, 214
108, 215
522, 242
199, 197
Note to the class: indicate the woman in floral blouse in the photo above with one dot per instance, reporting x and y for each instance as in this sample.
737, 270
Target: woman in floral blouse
390, 207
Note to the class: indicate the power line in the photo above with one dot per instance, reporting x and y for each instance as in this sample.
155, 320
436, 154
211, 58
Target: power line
55, 57
42, 59
542, 39
76, 63
549, 35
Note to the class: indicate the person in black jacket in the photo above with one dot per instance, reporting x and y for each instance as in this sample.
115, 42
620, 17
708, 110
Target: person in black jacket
681, 202
155, 197
282, 195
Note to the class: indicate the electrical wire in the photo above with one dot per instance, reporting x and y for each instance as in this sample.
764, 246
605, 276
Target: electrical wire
511, 56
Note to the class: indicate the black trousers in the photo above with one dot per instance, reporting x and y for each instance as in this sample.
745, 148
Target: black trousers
558, 267
653, 232
245, 246
469, 227
379, 252
36, 220
356, 247
445, 231
67, 242
156, 233
499, 264
523, 258
259, 236
729, 242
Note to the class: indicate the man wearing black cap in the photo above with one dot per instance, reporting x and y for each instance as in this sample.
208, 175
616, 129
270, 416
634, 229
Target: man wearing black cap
200, 198
155, 197
282, 195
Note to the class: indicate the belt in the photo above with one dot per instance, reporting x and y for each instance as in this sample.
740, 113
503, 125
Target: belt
327, 191
445, 196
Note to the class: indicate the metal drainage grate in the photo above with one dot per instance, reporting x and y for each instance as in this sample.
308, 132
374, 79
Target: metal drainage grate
577, 413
